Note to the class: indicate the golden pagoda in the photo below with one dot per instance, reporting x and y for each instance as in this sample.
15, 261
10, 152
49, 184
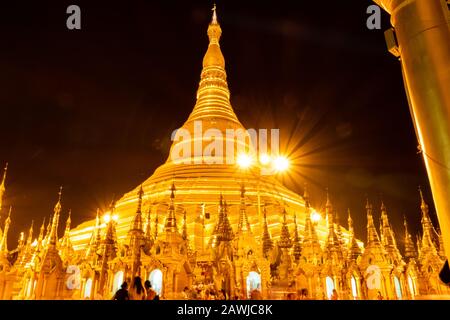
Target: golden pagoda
200, 185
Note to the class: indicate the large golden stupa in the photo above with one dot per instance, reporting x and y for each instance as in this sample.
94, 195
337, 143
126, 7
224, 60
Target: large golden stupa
199, 185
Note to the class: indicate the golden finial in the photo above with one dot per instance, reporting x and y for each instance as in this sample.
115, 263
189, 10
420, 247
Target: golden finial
284, 214
141, 191
214, 16
368, 205
305, 192
328, 204
4, 172
420, 192
172, 190
221, 199
423, 204
350, 220
69, 217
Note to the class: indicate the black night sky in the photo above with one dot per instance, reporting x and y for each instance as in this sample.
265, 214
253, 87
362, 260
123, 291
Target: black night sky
93, 109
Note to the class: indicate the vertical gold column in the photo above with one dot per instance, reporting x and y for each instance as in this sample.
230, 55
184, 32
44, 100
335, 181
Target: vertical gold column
422, 31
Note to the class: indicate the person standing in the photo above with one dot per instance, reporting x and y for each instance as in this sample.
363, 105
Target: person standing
137, 291
379, 296
150, 293
122, 293
334, 296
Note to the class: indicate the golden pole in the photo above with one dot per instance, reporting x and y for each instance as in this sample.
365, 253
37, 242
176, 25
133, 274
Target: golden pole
423, 36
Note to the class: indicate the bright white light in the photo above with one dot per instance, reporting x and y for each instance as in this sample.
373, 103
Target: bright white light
34, 244
244, 160
281, 163
264, 159
107, 218
115, 217
315, 216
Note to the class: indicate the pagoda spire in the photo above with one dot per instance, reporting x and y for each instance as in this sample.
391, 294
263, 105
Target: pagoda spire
354, 251
68, 223
441, 246
184, 233
30, 235
171, 220
156, 225
338, 227
53, 236
40, 239
297, 249
137, 237
65, 241
4, 262
94, 242
267, 243
148, 225
223, 231
427, 226
306, 195
137, 222
4, 239
410, 251
332, 239
213, 95
66, 244
310, 234
243, 225
388, 238
47, 231
108, 246
2, 187
285, 237
419, 245
372, 235
214, 17
25, 254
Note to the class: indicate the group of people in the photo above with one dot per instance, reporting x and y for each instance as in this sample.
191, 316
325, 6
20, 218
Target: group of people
205, 292
137, 291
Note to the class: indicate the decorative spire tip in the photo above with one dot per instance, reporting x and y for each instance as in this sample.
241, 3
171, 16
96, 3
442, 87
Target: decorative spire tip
214, 16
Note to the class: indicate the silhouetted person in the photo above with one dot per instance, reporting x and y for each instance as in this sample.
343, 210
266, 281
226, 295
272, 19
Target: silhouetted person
137, 291
334, 296
122, 293
150, 293
444, 274
304, 294
379, 296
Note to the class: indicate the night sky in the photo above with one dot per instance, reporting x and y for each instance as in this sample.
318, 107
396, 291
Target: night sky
93, 109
